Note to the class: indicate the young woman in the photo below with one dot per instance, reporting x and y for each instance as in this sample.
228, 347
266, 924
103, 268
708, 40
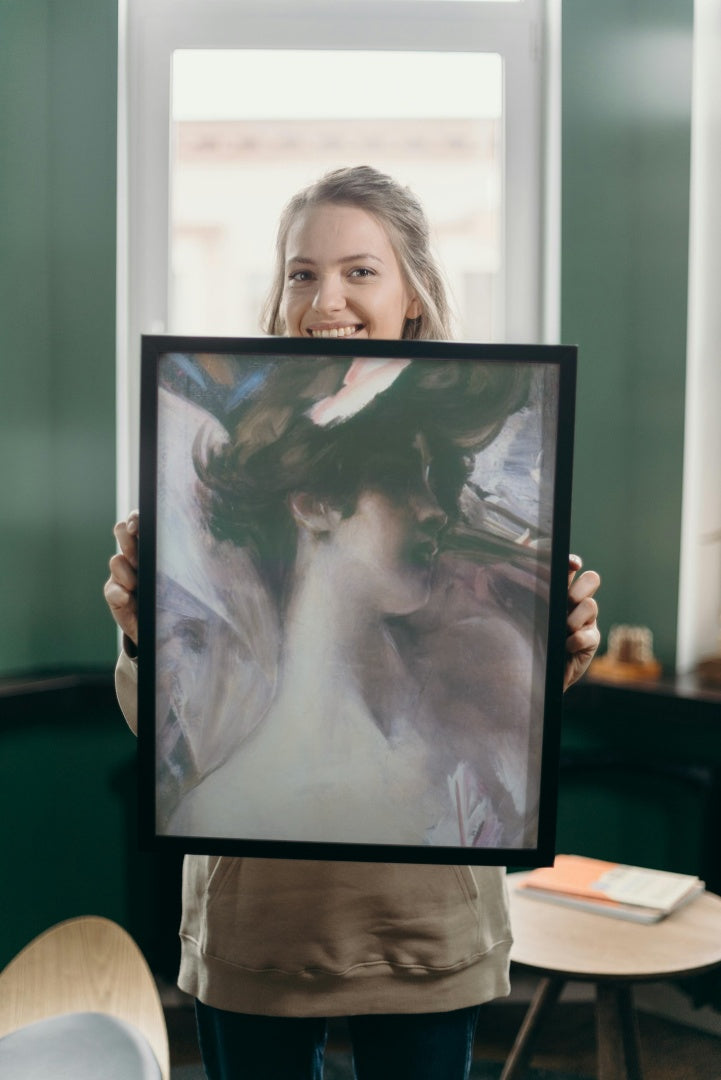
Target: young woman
272, 948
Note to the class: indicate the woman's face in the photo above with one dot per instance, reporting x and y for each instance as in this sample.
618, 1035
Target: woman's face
388, 545
342, 277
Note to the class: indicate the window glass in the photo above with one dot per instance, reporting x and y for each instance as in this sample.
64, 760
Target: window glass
251, 127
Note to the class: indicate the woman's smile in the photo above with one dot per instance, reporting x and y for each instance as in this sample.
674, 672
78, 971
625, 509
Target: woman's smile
324, 331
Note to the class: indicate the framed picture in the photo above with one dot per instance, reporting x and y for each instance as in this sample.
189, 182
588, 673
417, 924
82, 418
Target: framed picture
352, 597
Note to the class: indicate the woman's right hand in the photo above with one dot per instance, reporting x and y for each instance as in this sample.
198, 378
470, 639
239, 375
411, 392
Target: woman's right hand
121, 587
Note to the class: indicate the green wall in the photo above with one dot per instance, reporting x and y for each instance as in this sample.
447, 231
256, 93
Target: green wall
58, 72
67, 786
626, 145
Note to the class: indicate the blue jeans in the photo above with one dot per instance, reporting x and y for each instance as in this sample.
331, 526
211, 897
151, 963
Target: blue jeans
415, 1046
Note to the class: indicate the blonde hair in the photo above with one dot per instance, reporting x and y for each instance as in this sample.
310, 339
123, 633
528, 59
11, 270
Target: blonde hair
403, 217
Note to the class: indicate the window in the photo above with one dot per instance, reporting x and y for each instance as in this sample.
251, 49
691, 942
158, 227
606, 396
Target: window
235, 161
227, 107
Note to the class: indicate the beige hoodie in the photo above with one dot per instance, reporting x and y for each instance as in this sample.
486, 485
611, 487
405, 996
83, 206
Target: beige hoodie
284, 937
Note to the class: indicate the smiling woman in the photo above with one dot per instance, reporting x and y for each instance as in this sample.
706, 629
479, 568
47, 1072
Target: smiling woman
336, 295
353, 259
339, 481
300, 579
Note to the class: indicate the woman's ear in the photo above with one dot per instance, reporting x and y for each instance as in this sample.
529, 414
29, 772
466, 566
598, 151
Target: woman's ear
313, 514
415, 309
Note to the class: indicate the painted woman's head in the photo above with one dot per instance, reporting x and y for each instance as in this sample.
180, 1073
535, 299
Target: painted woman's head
327, 438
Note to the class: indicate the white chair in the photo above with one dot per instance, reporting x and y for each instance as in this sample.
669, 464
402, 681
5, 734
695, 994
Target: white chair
80, 1002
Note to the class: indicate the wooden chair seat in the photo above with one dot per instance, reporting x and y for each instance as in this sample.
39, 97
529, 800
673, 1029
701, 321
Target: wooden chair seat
84, 965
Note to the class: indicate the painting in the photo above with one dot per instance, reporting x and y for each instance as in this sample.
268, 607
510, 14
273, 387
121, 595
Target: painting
352, 597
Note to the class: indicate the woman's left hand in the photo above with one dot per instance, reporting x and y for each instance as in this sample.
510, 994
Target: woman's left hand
582, 637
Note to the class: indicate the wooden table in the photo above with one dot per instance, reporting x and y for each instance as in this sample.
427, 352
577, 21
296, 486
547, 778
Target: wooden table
563, 944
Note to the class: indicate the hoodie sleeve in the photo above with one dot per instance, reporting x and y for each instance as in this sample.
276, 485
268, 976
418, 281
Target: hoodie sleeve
126, 688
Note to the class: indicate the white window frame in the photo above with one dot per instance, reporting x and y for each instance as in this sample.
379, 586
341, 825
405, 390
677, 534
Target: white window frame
699, 596
526, 34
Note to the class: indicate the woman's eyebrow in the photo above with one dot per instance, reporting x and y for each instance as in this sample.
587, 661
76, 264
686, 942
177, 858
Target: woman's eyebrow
361, 257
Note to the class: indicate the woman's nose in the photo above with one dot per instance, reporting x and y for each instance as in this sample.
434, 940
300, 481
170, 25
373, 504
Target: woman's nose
329, 296
429, 513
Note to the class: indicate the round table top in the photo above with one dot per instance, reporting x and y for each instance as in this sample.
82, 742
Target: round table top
559, 940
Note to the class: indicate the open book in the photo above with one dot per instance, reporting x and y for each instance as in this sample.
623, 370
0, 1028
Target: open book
608, 888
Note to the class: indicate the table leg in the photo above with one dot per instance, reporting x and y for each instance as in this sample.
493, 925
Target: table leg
545, 997
617, 1033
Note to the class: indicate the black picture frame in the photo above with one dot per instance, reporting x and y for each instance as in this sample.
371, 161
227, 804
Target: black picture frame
353, 572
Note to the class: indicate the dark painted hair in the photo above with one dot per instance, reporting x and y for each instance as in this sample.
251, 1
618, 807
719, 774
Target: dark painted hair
275, 449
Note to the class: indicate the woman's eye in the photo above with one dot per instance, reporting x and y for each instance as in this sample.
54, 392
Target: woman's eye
362, 272
300, 276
